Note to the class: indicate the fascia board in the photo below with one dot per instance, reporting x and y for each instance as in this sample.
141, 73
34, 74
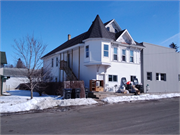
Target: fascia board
64, 50
131, 37
117, 24
121, 35
70, 48
109, 23
135, 46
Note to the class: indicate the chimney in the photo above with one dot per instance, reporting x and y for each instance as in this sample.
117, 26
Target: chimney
69, 36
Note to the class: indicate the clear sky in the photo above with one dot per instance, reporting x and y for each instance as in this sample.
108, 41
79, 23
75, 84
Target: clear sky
51, 21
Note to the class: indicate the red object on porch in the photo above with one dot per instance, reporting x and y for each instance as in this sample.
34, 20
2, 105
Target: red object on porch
129, 82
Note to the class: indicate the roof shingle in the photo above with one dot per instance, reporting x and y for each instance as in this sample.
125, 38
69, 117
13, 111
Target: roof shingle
96, 30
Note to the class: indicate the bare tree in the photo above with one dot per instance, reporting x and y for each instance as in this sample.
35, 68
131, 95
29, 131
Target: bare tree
30, 50
174, 46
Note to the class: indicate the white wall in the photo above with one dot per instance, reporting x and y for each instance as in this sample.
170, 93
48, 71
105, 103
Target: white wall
94, 50
47, 65
123, 70
96, 54
13, 82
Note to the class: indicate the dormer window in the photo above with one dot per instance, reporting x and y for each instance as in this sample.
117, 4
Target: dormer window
116, 31
107, 28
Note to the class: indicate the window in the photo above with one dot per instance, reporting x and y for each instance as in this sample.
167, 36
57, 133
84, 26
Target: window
149, 76
157, 76
87, 51
106, 50
116, 31
123, 55
163, 77
113, 78
56, 61
52, 62
179, 77
131, 56
160, 76
115, 54
107, 28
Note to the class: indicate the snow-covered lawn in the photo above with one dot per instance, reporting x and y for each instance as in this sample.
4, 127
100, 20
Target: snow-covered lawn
139, 97
20, 101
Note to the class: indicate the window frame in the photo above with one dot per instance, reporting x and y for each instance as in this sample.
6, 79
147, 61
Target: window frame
112, 76
124, 55
106, 50
161, 77
52, 62
149, 77
87, 51
56, 61
131, 56
115, 54
179, 77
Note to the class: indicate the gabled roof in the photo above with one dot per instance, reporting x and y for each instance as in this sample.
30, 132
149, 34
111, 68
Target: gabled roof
96, 30
3, 58
76, 40
107, 22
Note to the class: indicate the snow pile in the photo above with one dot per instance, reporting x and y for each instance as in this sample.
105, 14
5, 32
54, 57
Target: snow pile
139, 97
20, 101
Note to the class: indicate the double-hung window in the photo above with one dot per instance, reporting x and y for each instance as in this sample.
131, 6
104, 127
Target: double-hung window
131, 56
115, 54
87, 51
123, 55
52, 62
106, 50
179, 77
113, 78
56, 61
149, 76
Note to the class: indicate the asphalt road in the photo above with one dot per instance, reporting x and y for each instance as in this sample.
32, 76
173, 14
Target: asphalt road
150, 117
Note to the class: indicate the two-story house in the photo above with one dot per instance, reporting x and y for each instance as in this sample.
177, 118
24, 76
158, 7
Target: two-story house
104, 52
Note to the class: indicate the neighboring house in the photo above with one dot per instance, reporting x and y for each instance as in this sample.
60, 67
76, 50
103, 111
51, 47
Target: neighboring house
161, 68
104, 52
17, 76
3, 61
10, 77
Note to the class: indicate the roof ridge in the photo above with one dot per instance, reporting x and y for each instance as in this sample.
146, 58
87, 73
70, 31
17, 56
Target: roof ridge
97, 30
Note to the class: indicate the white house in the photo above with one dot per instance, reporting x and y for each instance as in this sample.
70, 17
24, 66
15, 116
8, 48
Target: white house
104, 52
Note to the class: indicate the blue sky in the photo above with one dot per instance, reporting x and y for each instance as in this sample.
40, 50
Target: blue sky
152, 21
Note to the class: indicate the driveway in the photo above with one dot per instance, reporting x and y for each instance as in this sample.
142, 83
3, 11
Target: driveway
147, 117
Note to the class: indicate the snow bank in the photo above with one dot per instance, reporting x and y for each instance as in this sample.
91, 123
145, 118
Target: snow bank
20, 101
139, 97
